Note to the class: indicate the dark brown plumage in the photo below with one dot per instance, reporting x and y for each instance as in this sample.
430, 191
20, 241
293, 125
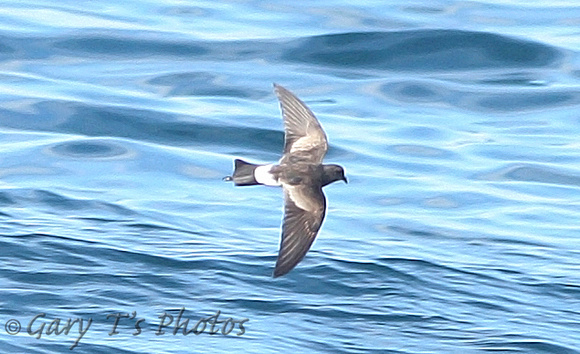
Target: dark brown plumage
301, 174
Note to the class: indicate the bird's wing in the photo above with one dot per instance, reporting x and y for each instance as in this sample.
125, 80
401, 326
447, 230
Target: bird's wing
304, 209
303, 136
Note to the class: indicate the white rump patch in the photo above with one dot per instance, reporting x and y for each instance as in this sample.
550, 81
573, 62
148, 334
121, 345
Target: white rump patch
263, 176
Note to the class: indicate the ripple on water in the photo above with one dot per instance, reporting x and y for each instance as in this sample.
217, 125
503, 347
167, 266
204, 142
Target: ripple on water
202, 84
415, 91
93, 149
109, 46
533, 173
420, 151
422, 50
138, 124
513, 99
518, 101
5, 49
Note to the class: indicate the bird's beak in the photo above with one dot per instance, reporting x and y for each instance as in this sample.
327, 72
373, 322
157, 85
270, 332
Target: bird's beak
345, 180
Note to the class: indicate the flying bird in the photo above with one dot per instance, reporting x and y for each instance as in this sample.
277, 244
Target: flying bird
301, 175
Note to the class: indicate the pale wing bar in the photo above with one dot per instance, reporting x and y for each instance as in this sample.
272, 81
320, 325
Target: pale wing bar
303, 131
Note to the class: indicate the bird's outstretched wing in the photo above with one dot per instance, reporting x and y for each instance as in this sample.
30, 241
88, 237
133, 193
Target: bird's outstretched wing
304, 137
304, 209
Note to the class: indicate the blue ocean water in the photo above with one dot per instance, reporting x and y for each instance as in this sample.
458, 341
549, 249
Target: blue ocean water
457, 124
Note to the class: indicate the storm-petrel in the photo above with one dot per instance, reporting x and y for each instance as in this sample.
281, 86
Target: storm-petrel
301, 175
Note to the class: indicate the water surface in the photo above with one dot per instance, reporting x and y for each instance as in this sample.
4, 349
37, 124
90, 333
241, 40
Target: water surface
457, 124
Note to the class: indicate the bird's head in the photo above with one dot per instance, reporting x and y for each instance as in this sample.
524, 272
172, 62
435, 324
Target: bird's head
332, 173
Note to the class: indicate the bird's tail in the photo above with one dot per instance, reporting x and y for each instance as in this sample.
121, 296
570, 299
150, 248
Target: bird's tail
243, 173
